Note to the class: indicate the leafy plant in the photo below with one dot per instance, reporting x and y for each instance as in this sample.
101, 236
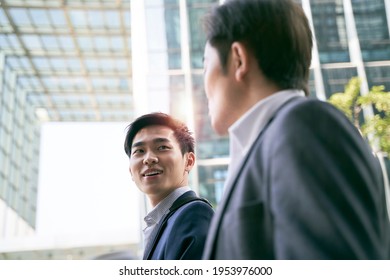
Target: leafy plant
352, 103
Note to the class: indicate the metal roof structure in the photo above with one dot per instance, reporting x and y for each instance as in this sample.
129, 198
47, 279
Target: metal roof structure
73, 58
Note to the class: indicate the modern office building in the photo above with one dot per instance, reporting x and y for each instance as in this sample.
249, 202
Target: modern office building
106, 60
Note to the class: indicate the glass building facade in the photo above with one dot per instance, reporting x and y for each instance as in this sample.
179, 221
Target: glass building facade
104, 60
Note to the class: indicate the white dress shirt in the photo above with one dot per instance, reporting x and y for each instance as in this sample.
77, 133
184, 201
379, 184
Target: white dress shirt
245, 130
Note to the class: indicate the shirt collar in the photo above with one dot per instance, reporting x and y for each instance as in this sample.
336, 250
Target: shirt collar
246, 129
155, 215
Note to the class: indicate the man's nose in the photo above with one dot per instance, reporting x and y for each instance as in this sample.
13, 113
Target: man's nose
150, 158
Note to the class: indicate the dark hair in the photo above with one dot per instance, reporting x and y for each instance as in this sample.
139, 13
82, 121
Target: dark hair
276, 31
181, 131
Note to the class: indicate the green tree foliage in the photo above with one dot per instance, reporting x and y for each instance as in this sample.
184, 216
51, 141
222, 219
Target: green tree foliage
351, 103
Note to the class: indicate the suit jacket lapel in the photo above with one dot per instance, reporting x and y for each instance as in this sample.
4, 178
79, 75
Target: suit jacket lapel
156, 232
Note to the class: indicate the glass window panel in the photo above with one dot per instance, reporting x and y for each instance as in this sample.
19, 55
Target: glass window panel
23, 81
20, 16
66, 42
379, 75
6, 118
8, 74
13, 62
11, 194
129, 42
112, 19
74, 115
21, 97
58, 63
211, 182
57, 18
71, 99
109, 83
39, 17
116, 116
116, 43
4, 44
19, 116
25, 62
336, 79
50, 42
74, 64
78, 18
3, 19
92, 64
312, 88
65, 82
85, 43
101, 43
13, 41
32, 41
36, 100
330, 29
171, 2
41, 63
372, 28
34, 82
123, 84
121, 65
7, 141
108, 64
196, 11
125, 100
127, 19
50, 82
8, 99
95, 18
172, 29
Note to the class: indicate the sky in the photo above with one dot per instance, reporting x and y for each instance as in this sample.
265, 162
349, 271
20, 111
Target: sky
85, 191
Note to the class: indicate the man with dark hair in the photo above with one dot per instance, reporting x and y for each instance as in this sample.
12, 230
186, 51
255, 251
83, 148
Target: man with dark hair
161, 153
302, 183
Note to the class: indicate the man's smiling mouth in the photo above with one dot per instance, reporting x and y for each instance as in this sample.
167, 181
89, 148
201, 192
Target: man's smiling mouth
152, 173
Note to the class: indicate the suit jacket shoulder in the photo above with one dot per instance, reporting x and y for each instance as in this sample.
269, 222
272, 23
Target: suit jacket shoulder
183, 231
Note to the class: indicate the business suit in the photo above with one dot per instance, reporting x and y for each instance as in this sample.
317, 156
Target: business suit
309, 188
181, 234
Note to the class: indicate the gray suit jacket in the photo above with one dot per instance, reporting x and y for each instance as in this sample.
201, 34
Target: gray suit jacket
309, 188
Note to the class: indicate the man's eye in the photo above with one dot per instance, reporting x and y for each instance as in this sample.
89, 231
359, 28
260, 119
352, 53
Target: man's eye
161, 148
138, 151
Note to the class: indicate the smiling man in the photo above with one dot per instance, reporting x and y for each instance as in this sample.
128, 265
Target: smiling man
161, 153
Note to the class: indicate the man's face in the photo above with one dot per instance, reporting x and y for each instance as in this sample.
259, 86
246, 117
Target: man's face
220, 91
157, 165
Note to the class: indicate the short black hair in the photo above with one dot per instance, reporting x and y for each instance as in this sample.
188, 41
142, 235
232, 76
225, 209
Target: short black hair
181, 131
277, 32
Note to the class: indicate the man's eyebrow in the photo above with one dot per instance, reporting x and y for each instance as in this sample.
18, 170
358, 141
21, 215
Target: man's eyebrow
161, 140
137, 144
156, 140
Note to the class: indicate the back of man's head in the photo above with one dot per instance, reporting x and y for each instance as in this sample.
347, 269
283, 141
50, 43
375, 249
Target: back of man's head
276, 31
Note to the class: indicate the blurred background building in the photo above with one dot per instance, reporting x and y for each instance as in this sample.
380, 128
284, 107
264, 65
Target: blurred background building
112, 60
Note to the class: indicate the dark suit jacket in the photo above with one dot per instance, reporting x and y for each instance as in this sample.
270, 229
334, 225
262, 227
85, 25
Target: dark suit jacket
309, 188
181, 234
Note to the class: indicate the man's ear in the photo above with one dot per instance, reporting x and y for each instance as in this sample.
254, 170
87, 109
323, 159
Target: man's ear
240, 60
190, 161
